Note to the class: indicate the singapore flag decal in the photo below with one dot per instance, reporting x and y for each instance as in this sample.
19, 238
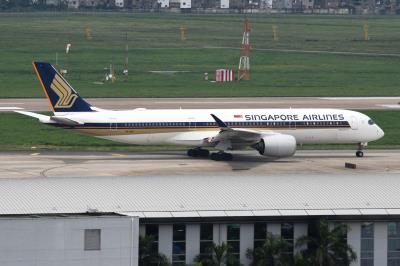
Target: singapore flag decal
237, 116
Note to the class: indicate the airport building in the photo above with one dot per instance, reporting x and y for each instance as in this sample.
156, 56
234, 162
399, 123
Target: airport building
97, 221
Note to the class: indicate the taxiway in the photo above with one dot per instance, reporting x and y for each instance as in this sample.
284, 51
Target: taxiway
355, 103
53, 164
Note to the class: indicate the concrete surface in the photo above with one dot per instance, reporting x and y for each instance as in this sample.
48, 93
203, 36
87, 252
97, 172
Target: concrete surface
83, 164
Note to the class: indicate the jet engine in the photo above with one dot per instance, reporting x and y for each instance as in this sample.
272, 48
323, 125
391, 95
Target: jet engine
279, 145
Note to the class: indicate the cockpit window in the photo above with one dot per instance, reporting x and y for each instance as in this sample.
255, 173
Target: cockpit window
371, 122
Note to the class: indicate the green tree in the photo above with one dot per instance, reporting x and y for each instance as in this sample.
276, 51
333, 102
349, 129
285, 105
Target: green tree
148, 256
219, 255
271, 253
326, 246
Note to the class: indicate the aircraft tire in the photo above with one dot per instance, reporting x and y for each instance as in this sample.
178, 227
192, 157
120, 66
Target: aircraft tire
192, 153
221, 156
198, 153
227, 157
215, 156
204, 153
360, 154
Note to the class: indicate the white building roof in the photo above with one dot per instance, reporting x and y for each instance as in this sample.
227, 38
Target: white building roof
206, 196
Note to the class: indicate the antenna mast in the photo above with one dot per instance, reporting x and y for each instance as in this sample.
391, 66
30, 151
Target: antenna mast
244, 61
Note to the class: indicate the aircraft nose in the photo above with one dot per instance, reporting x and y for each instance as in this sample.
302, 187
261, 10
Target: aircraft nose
380, 132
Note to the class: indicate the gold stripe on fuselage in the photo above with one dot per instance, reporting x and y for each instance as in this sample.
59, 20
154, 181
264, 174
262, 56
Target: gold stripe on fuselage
110, 131
136, 131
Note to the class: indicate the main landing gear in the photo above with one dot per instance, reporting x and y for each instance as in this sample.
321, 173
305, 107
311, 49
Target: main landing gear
359, 152
221, 156
198, 153
216, 156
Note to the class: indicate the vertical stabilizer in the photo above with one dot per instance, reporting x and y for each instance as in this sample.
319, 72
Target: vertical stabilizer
62, 97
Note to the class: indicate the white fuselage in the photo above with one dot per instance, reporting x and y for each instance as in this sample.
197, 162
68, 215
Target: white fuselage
191, 127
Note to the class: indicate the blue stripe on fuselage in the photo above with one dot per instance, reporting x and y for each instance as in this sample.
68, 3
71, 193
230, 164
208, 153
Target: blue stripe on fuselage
266, 124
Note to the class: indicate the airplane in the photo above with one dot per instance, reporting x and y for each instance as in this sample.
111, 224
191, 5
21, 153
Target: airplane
272, 132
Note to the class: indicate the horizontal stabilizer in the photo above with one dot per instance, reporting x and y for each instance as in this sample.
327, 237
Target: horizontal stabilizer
51, 119
42, 118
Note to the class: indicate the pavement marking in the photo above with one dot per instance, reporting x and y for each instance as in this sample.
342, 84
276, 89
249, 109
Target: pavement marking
359, 98
118, 154
91, 164
10, 108
392, 106
34, 154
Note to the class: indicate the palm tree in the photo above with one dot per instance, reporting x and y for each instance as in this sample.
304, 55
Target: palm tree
326, 246
219, 256
271, 253
148, 256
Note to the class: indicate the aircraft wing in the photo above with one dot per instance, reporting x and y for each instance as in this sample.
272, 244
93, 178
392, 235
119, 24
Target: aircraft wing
228, 137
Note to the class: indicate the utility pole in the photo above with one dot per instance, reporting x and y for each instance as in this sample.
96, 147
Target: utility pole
126, 55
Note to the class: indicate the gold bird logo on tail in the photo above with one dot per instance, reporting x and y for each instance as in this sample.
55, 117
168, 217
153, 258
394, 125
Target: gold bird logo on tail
66, 98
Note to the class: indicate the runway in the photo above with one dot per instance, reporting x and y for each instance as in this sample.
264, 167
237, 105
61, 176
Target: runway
355, 103
53, 164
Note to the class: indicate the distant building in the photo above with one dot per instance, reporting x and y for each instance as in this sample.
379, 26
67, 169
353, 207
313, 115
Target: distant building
282, 4
224, 4
163, 3
185, 4
266, 4
308, 4
73, 3
119, 3
89, 3
69, 240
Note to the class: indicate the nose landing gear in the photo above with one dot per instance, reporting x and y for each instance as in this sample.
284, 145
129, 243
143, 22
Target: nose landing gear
359, 152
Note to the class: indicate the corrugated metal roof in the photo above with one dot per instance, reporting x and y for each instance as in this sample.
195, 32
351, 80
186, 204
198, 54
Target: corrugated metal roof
347, 212
211, 213
293, 212
206, 196
320, 212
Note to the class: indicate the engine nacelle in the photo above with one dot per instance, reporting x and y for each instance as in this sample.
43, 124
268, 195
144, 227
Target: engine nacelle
279, 145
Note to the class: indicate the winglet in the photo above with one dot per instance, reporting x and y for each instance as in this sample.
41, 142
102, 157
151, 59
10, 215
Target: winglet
220, 123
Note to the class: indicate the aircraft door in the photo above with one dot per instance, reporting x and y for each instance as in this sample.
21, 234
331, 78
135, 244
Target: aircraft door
113, 124
192, 123
354, 123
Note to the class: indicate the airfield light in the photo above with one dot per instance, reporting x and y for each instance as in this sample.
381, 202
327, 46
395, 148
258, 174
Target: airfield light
88, 33
275, 33
183, 33
366, 32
